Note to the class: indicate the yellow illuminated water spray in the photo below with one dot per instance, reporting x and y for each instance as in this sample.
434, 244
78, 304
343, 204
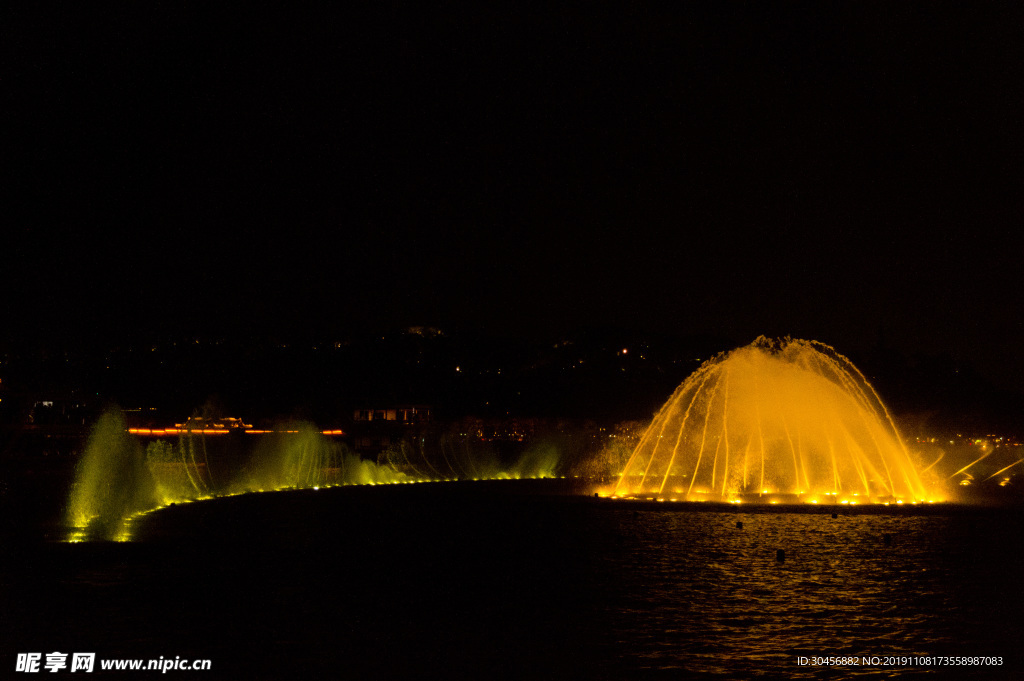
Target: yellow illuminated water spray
778, 420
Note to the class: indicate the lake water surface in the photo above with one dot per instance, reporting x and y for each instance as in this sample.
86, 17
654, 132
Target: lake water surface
425, 582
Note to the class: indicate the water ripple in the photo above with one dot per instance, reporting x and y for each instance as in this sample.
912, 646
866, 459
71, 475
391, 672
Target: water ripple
694, 591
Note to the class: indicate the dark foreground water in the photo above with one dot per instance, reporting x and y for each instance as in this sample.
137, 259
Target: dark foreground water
457, 581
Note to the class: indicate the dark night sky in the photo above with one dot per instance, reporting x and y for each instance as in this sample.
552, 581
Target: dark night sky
733, 170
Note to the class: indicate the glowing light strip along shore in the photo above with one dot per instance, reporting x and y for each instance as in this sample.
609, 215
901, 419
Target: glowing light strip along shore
158, 432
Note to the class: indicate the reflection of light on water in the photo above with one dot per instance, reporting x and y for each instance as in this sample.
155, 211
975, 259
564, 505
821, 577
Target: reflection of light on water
839, 583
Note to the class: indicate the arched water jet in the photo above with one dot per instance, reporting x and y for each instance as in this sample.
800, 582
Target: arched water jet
778, 420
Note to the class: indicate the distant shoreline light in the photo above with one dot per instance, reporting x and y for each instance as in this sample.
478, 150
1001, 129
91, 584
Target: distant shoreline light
159, 432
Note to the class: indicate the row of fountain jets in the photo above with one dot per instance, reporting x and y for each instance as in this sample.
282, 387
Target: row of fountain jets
779, 421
